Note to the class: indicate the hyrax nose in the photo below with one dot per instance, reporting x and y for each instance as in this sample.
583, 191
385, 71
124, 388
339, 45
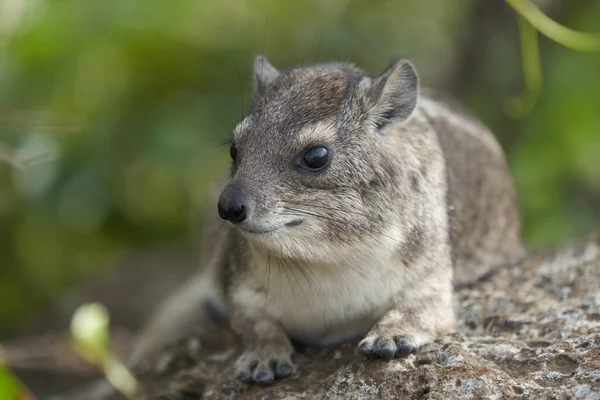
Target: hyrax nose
233, 207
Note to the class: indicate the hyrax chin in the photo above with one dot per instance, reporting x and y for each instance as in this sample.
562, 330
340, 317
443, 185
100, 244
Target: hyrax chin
350, 200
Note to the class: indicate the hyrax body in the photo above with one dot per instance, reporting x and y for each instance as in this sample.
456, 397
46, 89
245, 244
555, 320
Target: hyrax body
353, 205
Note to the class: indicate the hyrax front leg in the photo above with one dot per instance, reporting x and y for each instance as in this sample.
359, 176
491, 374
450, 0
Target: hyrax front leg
267, 348
402, 330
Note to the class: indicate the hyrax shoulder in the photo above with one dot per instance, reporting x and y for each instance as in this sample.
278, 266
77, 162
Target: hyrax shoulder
351, 200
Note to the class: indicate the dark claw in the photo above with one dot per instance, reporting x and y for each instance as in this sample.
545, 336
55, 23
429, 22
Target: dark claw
404, 347
263, 371
386, 350
366, 349
399, 346
264, 377
284, 369
245, 377
247, 373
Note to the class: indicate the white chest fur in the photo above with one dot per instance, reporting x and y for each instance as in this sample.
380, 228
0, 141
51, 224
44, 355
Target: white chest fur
325, 304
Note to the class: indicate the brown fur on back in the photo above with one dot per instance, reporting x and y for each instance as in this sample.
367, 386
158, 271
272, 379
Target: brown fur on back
485, 227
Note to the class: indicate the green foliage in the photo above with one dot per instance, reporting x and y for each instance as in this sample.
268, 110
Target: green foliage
91, 339
10, 387
554, 151
134, 98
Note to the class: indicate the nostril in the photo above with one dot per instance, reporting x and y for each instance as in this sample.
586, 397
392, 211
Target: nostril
222, 211
238, 214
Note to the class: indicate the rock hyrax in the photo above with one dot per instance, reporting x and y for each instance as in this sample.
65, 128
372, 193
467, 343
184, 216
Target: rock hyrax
353, 204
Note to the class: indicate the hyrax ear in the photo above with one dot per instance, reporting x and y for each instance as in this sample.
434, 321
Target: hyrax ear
394, 94
264, 74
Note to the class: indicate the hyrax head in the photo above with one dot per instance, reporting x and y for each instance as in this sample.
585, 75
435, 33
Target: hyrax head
312, 172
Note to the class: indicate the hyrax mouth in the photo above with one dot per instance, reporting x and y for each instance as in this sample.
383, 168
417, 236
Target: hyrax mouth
265, 231
295, 222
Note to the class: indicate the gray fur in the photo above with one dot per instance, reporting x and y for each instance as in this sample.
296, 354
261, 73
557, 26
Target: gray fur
415, 194
264, 74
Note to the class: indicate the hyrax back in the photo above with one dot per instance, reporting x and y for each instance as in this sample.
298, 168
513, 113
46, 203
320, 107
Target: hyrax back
338, 223
485, 227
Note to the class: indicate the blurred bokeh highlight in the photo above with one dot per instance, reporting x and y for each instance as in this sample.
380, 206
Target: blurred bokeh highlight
112, 114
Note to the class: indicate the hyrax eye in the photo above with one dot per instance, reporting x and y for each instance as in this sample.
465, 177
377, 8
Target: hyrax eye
233, 151
316, 158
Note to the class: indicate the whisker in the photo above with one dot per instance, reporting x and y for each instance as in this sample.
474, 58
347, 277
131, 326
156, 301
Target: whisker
319, 47
267, 277
301, 269
341, 210
225, 143
287, 274
310, 275
301, 94
361, 227
241, 89
279, 279
321, 216
231, 121
264, 46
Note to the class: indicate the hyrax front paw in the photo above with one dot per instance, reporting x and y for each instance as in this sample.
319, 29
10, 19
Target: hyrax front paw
387, 344
265, 364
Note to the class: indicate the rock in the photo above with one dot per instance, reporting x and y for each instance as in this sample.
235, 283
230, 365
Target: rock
529, 331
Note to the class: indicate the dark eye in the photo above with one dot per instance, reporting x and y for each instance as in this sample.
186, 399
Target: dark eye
233, 151
316, 158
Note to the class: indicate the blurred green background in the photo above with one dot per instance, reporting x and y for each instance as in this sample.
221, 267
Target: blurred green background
132, 98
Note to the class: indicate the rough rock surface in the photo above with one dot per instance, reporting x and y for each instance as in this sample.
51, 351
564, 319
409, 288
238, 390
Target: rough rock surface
530, 331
